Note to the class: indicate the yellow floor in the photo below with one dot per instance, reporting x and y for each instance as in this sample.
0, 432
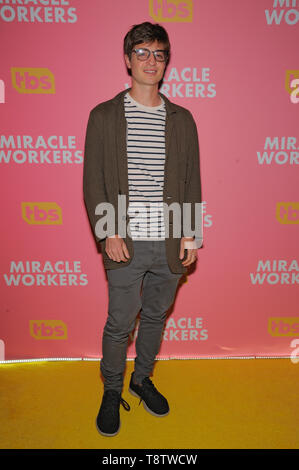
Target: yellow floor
224, 403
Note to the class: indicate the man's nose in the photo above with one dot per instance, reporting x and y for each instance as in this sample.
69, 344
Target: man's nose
152, 59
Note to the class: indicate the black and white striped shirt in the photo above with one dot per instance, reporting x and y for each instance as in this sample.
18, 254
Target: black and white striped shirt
146, 160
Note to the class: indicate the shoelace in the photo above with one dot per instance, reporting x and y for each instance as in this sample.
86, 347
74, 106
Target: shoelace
114, 397
125, 404
147, 386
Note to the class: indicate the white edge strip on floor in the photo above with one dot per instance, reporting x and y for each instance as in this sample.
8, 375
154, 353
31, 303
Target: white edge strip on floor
45, 359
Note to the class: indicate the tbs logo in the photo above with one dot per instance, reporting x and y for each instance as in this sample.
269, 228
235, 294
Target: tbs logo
48, 329
287, 212
283, 326
171, 10
41, 213
32, 80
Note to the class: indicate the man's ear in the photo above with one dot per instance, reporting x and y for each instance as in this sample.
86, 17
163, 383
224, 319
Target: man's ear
128, 62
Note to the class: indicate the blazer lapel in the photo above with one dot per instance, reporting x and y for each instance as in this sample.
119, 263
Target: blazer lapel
168, 134
121, 151
169, 128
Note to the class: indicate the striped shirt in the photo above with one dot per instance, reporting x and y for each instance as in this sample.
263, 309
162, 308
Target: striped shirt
146, 160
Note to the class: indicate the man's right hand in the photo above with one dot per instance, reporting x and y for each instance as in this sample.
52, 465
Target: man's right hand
116, 248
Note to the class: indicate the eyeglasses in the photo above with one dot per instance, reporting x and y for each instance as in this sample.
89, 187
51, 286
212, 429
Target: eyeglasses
144, 54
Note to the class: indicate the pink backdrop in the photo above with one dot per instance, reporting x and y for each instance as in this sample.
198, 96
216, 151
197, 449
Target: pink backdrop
234, 65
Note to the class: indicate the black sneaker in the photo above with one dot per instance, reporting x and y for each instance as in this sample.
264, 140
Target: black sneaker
108, 422
153, 401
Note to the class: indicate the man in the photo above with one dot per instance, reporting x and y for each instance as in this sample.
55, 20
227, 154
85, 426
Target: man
142, 147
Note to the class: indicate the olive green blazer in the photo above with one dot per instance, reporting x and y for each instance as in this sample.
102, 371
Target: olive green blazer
105, 170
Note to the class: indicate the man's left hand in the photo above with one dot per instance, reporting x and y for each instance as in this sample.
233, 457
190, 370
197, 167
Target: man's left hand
188, 243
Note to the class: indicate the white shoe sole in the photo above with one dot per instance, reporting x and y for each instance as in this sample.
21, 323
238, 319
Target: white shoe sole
146, 407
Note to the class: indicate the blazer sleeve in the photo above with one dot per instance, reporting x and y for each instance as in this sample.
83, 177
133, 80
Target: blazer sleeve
93, 171
193, 194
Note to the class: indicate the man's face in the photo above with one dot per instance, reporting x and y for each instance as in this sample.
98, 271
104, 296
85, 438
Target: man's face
150, 71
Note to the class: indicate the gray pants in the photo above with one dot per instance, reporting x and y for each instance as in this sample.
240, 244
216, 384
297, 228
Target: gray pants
149, 265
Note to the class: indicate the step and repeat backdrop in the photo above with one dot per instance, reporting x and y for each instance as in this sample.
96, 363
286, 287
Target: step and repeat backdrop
235, 66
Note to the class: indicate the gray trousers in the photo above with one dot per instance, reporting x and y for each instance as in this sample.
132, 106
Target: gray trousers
126, 298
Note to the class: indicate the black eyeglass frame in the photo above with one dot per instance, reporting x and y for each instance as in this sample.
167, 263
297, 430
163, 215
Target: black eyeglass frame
149, 53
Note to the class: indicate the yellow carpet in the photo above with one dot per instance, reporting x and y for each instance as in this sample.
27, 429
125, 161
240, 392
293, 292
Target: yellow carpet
224, 403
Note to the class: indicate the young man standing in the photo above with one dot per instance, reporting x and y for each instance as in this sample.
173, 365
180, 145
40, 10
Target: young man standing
141, 146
